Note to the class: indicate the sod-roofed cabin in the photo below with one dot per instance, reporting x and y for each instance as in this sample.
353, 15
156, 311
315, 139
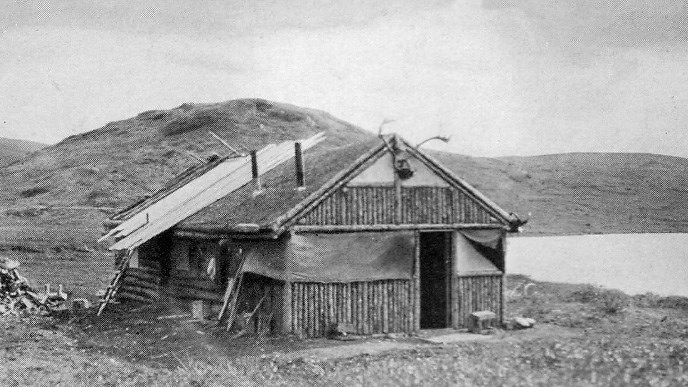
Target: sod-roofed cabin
375, 236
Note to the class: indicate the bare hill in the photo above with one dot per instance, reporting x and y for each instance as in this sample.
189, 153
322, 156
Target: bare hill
585, 193
12, 149
125, 160
61, 194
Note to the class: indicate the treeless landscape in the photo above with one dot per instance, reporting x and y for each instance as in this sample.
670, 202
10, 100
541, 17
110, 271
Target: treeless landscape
54, 200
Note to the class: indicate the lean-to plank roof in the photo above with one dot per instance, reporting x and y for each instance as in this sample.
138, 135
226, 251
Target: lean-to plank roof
278, 202
182, 202
279, 193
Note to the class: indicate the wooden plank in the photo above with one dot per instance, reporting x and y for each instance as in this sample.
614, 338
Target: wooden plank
202, 191
232, 304
233, 285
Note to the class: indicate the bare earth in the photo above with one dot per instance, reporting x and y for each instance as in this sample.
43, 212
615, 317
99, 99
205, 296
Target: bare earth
582, 339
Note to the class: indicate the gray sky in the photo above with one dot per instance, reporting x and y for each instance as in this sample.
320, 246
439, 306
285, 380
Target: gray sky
503, 77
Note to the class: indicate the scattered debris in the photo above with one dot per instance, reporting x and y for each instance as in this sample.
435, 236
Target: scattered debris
480, 321
522, 323
80, 304
339, 330
199, 309
16, 296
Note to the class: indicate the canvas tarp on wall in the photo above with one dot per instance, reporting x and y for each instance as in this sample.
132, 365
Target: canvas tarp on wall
346, 257
469, 260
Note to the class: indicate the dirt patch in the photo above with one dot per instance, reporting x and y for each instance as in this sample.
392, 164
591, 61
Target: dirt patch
130, 345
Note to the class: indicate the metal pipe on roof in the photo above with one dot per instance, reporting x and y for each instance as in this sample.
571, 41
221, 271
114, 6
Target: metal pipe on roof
254, 169
298, 161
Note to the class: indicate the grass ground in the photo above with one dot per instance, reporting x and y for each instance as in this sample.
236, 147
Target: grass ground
586, 336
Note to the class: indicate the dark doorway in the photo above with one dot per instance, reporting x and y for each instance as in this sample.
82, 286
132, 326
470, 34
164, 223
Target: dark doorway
435, 266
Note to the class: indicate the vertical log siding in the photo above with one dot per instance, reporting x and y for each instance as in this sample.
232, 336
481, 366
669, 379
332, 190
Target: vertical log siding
370, 307
376, 205
355, 205
476, 293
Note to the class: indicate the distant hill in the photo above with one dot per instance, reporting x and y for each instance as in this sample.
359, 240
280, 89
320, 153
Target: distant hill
12, 150
70, 187
125, 160
585, 193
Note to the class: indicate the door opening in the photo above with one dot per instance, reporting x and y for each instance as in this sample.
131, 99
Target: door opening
435, 269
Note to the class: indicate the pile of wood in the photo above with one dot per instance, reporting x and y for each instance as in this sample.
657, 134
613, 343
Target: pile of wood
17, 297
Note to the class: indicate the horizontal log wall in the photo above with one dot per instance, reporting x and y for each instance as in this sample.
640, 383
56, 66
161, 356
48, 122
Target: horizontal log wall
191, 285
144, 285
140, 284
376, 205
370, 307
476, 293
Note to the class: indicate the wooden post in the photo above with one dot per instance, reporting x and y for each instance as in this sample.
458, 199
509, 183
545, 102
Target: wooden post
385, 306
223, 142
453, 299
285, 325
416, 285
397, 199
297, 309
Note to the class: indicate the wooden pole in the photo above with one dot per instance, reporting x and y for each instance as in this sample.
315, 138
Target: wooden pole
286, 308
417, 285
191, 154
223, 142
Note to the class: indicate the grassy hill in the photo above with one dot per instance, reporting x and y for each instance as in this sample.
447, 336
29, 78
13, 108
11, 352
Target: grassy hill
61, 193
585, 193
12, 150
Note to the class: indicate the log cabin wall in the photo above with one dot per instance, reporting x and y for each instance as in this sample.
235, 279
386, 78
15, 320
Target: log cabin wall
384, 306
377, 205
355, 206
476, 293
140, 284
188, 281
142, 280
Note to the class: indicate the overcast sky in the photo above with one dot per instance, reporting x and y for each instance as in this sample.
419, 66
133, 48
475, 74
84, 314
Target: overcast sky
503, 77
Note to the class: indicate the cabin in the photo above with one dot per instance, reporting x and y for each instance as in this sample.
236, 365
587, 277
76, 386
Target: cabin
375, 236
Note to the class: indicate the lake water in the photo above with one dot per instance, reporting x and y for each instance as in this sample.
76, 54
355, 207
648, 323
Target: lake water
634, 263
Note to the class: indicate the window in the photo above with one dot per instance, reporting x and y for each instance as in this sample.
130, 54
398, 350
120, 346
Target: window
180, 252
199, 257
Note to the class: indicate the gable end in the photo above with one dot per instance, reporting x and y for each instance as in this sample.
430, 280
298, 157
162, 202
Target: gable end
371, 194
